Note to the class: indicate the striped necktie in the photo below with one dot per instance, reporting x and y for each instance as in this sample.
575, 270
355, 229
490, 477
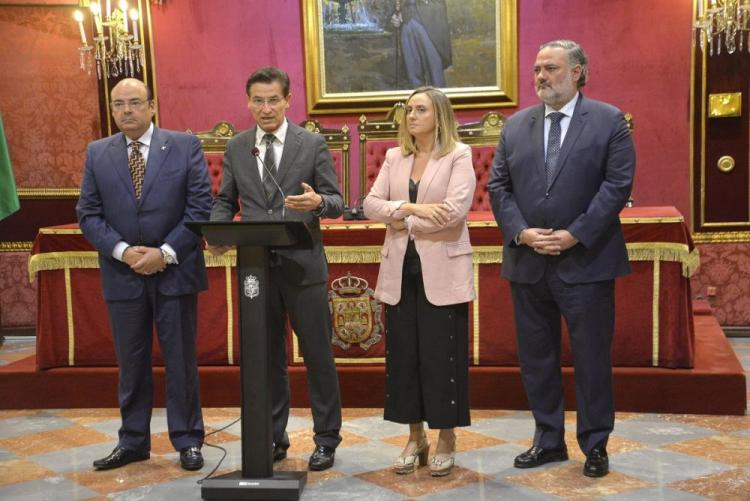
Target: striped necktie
269, 159
137, 167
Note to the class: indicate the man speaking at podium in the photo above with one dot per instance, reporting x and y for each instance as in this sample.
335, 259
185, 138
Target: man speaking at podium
280, 171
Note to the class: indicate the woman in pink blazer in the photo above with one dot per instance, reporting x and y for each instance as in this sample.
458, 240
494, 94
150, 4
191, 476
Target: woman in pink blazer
423, 193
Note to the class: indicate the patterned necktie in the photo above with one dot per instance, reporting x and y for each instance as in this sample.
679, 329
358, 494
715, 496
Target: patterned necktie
269, 160
553, 144
137, 167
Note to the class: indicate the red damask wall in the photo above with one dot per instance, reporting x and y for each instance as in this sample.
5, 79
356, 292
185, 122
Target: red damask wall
640, 63
727, 268
50, 107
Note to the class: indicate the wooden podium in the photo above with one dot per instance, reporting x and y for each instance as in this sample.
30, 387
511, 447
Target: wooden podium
255, 241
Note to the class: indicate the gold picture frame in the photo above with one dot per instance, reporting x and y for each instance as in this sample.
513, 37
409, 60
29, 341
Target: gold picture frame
356, 53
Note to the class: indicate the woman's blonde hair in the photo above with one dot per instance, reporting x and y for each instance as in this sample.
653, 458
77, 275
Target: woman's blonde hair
446, 135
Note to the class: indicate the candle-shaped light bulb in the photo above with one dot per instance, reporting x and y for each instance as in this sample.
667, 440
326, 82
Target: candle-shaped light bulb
124, 9
96, 11
78, 16
700, 9
109, 8
134, 18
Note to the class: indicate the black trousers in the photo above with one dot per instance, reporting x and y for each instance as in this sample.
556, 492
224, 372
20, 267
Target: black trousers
589, 310
307, 310
427, 359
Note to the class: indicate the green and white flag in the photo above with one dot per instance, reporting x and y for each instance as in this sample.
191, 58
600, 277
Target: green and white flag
8, 196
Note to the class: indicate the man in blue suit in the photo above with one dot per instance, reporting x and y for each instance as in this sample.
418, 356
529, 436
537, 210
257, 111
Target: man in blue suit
139, 188
562, 173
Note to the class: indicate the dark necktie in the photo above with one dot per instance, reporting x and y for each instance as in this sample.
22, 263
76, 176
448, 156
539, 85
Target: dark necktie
137, 167
553, 144
269, 160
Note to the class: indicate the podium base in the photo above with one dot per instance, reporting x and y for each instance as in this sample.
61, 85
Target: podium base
282, 485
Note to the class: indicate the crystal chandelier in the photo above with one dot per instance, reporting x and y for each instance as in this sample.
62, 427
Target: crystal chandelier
117, 50
726, 21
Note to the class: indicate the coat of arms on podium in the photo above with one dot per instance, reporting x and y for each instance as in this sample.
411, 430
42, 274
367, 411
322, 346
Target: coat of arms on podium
356, 314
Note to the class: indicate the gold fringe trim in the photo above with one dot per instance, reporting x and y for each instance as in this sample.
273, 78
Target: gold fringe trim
655, 315
69, 312
475, 314
228, 259
370, 254
364, 254
49, 261
666, 251
230, 316
60, 231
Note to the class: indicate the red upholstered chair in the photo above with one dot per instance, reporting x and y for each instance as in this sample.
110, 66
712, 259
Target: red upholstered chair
375, 137
482, 136
214, 141
339, 142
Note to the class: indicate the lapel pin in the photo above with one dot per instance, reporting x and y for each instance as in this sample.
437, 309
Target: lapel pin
163, 148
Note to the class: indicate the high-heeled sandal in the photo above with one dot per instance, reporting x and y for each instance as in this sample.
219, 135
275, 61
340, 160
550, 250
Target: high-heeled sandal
405, 464
442, 464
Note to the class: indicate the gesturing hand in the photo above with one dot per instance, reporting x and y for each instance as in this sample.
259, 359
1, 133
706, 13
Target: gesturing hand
308, 201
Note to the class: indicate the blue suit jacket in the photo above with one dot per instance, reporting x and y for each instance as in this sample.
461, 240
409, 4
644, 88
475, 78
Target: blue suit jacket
591, 185
175, 190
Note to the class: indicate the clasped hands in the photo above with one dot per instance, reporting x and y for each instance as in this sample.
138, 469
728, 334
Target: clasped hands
547, 241
144, 260
437, 213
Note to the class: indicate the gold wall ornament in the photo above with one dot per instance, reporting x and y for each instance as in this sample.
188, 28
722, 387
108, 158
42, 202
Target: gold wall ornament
728, 104
725, 164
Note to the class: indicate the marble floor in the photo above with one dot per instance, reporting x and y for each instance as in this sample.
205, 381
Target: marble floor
47, 455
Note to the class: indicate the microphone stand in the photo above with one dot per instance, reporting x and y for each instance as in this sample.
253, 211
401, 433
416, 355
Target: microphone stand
256, 153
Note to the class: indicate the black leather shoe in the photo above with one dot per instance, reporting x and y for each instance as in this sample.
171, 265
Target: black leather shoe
597, 463
191, 458
322, 458
279, 453
120, 457
536, 456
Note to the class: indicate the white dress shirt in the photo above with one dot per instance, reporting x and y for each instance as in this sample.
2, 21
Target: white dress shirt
278, 145
145, 147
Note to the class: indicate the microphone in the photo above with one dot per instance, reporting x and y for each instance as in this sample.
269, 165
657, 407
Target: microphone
256, 153
355, 213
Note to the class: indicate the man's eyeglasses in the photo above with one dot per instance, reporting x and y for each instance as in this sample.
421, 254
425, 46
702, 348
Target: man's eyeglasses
133, 104
271, 101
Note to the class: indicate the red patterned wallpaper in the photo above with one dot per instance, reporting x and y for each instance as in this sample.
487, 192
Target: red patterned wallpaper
17, 295
50, 107
726, 267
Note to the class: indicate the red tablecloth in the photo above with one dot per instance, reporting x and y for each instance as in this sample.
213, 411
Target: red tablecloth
653, 318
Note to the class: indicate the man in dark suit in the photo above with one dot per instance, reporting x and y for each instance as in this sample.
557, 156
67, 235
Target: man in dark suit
292, 178
139, 188
562, 173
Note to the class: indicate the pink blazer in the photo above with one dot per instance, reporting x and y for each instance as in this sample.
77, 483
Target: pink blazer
445, 251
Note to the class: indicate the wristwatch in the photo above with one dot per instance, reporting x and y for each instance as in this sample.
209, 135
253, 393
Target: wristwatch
167, 257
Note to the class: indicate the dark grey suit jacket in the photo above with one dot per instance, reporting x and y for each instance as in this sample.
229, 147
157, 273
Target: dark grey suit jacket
591, 184
305, 159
